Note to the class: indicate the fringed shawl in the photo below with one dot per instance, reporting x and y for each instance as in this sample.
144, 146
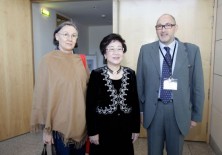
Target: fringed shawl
59, 96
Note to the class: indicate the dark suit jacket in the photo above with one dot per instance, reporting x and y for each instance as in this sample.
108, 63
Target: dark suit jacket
188, 99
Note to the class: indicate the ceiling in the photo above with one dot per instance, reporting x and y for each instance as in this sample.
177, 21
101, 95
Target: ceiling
86, 12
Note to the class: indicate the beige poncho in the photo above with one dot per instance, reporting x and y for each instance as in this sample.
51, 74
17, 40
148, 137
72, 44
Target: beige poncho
59, 96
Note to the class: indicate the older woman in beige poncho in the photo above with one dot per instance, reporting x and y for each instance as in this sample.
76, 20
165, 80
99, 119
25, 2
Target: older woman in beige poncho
59, 94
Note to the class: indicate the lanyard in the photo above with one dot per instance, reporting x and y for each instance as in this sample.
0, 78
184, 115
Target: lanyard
171, 63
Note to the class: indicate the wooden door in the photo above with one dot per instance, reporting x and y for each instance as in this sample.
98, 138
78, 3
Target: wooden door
16, 67
135, 21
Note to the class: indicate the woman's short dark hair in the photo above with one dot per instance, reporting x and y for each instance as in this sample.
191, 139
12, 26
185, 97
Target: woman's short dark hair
69, 23
108, 39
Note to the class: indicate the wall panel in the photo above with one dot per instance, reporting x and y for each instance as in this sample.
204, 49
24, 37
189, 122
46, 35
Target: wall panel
216, 106
16, 67
217, 126
136, 21
218, 57
219, 23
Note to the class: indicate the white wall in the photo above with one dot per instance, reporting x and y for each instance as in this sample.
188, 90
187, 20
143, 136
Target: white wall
216, 113
83, 40
43, 28
96, 34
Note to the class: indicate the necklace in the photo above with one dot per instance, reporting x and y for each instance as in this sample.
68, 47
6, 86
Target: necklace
111, 71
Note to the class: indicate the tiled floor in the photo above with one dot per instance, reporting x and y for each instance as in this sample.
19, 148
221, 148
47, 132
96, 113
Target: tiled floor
31, 144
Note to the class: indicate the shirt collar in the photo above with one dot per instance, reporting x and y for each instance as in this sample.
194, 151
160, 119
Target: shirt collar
171, 45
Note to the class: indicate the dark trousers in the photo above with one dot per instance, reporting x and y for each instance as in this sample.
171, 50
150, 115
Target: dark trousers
164, 131
69, 149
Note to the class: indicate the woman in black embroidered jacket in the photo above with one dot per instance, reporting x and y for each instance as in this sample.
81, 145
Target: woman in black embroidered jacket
112, 107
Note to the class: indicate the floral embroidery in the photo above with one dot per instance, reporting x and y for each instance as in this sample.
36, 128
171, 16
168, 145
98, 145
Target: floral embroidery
116, 99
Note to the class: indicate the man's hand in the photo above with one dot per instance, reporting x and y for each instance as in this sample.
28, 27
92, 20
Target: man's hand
193, 124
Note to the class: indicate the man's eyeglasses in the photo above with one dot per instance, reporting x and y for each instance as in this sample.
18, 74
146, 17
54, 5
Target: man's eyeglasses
115, 49
67, 36
166, 26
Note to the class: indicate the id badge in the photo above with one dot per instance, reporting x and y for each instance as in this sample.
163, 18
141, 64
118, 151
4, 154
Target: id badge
170, 84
